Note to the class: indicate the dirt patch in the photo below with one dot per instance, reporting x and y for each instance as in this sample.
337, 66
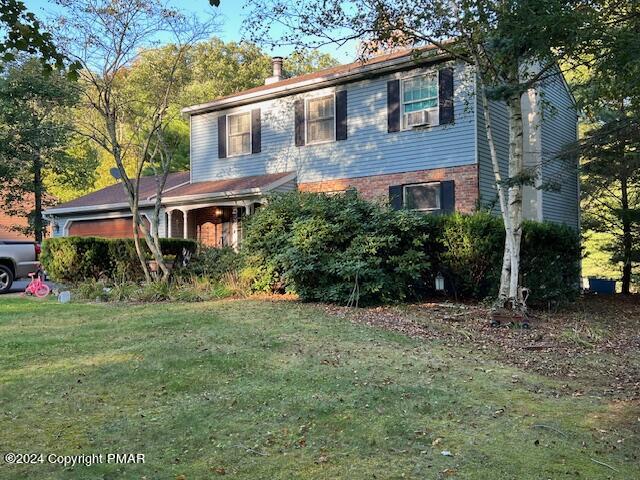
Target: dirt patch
593, 345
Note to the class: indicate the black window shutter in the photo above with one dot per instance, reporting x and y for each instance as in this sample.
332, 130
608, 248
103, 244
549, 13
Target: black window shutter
447, 196
222, 136
393, 106
256, 131
341, 115
395, 197
445, 84
299, 122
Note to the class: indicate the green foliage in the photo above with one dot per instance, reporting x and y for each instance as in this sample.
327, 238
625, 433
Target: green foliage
77, 259
472, 254
34, 134
211, 263
342, 248
550, 262
23, 32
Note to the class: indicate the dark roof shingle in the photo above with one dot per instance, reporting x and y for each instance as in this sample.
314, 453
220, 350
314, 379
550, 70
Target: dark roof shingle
116, 194
226, 185
177, 186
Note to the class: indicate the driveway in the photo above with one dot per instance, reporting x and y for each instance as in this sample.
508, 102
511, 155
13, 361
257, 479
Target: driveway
19, 286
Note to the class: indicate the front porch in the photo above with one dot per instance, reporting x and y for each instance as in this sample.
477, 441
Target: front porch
213, 225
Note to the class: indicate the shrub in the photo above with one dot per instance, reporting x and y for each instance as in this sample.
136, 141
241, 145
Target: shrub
550, 262
340, 248
212, 263
76, 259
472, 254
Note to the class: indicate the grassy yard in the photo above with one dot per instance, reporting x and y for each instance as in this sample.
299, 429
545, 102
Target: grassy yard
280, 390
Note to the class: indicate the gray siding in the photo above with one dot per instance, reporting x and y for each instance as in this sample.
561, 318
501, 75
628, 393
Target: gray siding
559, 124
368, 150
559, 129
486, 177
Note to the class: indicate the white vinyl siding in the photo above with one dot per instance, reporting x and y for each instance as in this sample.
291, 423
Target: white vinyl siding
321, 119
239, 134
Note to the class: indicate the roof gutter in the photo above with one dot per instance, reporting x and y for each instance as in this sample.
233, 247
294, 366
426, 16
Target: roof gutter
357, 73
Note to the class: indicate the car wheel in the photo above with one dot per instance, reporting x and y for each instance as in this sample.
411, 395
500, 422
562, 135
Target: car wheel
6, 278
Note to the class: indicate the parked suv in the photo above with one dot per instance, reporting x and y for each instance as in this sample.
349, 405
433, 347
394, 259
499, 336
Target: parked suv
17, 260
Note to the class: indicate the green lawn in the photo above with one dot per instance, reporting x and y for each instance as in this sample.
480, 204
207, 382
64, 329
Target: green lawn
279, 390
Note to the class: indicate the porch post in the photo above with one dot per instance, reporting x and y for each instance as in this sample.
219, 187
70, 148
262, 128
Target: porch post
169, 221
185, 227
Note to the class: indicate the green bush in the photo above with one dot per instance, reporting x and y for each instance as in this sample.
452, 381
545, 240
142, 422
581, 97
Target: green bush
550, 262
472, 254
77, 259
211, 263
339, 248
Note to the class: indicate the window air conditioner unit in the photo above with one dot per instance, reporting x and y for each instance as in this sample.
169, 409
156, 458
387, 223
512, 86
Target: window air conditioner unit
417, 119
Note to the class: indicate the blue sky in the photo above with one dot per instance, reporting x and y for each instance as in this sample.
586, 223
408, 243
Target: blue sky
232, 15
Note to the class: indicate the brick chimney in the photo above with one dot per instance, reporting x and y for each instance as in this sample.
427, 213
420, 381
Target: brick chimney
276, 76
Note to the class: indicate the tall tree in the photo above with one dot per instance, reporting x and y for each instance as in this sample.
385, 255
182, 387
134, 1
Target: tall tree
107, 37
34, 133
512, 45
609, 95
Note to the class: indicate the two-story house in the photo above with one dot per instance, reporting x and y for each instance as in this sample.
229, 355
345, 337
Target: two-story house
400, 127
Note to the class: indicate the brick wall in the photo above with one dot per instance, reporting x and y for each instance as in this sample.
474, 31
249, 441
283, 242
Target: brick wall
377, 187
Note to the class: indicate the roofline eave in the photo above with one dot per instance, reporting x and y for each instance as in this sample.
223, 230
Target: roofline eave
313, 84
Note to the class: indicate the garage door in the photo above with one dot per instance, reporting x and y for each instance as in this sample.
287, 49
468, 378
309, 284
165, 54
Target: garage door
109, 228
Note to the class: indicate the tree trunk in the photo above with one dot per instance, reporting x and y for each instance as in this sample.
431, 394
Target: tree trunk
516, 165
627, 239
505, 276
37, 191
136, 242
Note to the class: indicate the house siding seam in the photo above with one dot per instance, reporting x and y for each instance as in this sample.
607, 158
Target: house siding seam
376, 187
368, 150
559, 129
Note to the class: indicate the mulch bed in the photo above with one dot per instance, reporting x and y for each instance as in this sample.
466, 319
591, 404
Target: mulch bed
594, 345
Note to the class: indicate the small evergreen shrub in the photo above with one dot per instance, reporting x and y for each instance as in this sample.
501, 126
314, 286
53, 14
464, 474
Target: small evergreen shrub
77, 259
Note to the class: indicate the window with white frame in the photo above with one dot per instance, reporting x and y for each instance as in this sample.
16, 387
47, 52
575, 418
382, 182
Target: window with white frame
423, 196
321, 119
420, 100
239, 133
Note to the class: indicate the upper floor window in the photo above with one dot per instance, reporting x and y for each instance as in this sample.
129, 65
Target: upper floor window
423, 196
239, 133
420, 100
321, 119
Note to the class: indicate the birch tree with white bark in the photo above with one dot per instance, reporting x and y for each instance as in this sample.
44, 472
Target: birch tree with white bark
512, 45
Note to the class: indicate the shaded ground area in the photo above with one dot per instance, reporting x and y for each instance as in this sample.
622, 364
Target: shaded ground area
251, 389
595, 341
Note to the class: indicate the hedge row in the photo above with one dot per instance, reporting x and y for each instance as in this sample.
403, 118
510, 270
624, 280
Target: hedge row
76, 259
341, 248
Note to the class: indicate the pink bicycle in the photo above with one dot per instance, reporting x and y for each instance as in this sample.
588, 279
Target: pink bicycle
37, 286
